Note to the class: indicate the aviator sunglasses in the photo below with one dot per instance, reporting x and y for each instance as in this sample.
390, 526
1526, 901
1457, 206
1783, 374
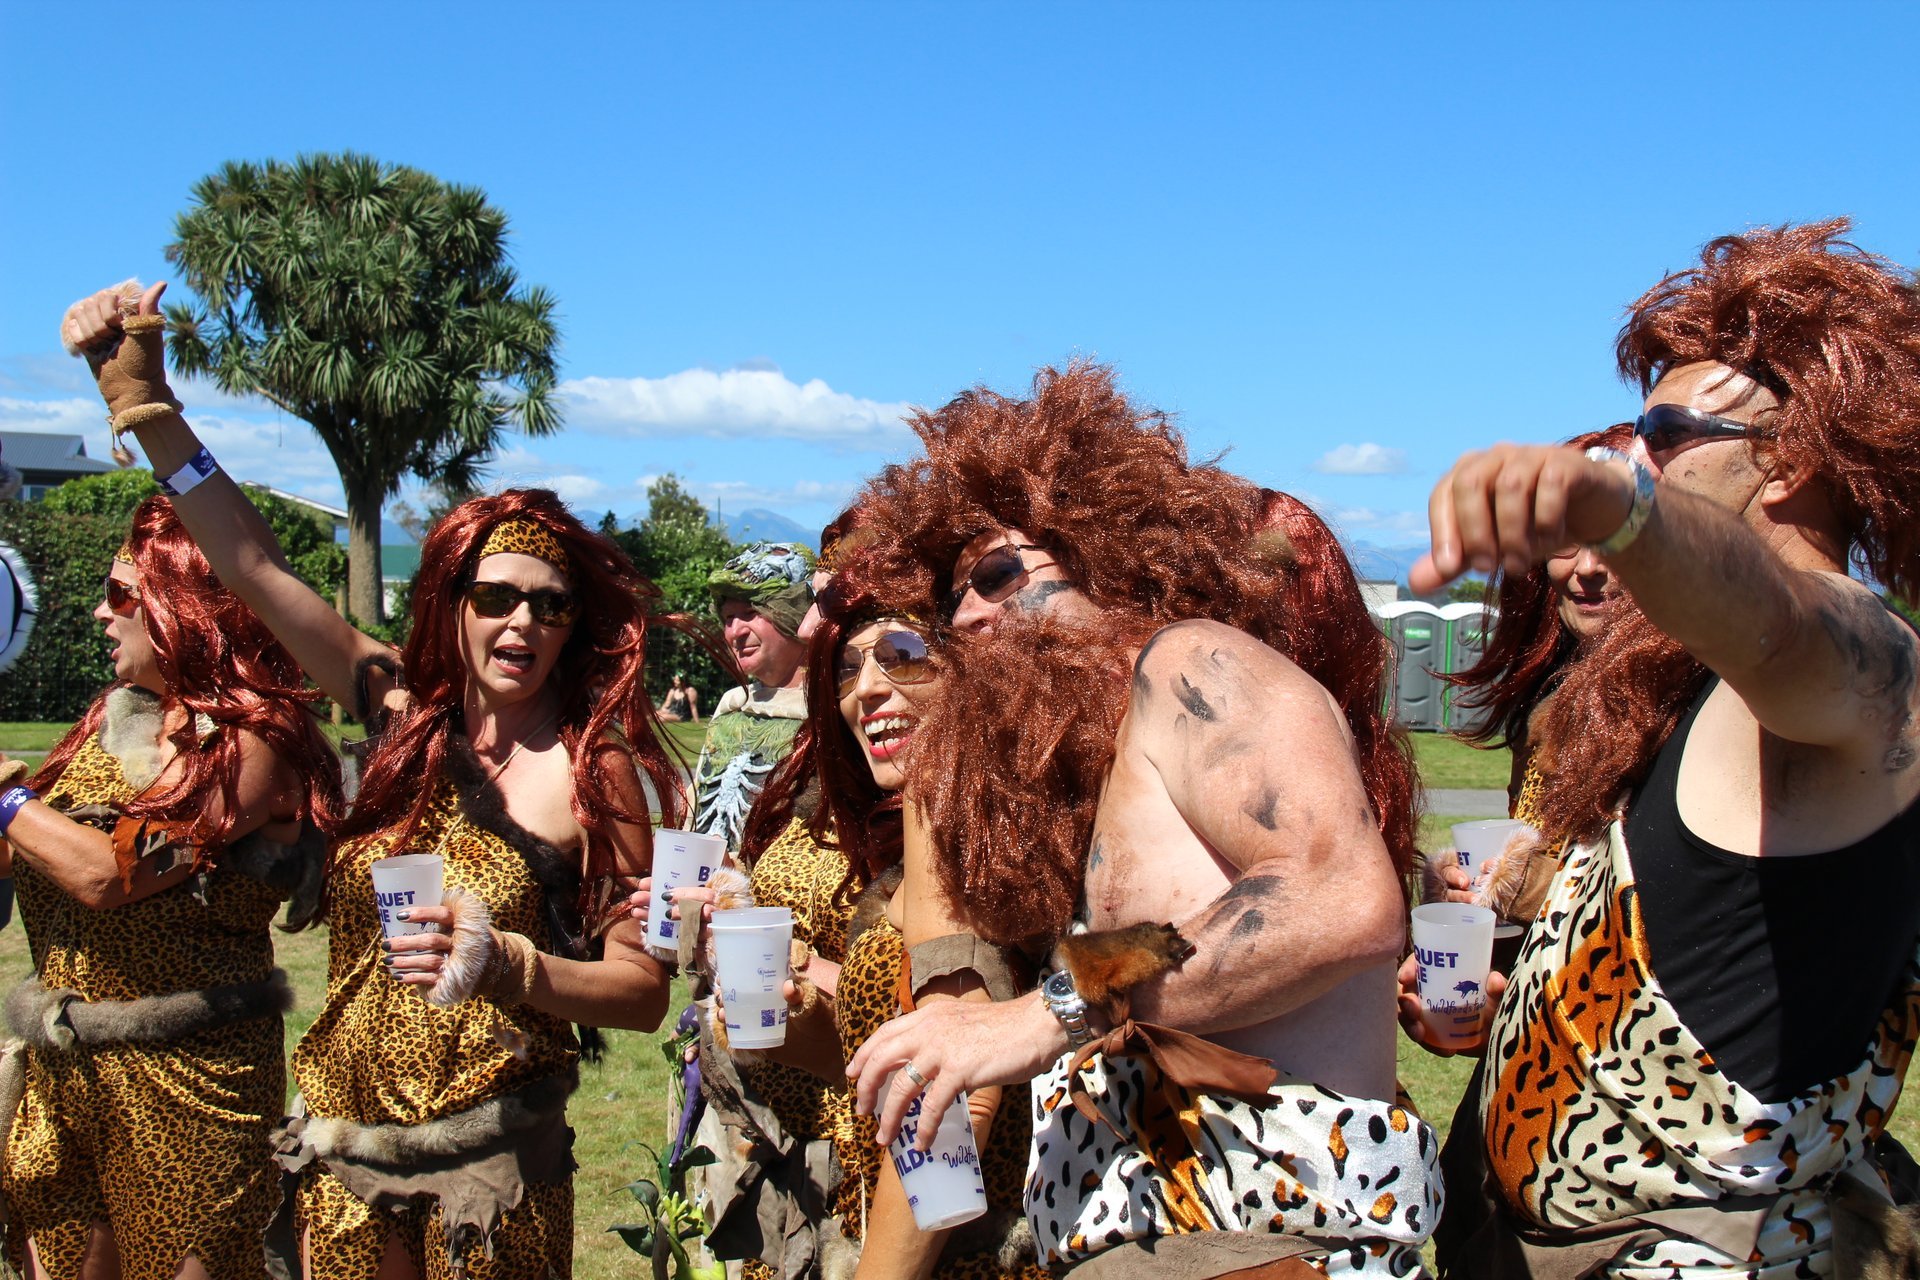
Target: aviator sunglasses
498, 600
902, 656
1668, 426
993, 575
122, 597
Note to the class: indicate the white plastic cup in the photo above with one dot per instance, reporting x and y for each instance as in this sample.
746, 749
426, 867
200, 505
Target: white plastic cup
409, 880
943, 1183
1453, 945
1477, 843
752, 952
681, 860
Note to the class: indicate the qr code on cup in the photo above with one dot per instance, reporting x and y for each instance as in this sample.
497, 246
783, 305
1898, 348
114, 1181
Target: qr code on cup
767, 1018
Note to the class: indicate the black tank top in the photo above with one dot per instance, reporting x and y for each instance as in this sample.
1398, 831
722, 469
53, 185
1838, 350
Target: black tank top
1780, 966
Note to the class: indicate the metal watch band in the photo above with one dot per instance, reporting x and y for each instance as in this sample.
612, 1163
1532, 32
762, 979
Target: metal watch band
1643, 489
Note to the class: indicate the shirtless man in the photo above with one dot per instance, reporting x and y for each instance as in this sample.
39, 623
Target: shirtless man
1710, 1019
1232, 805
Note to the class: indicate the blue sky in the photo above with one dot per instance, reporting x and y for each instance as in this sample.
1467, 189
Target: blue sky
1344, 242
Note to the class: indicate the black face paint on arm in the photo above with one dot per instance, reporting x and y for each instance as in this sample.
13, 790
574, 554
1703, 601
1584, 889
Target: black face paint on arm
1193, 700
1261, 809
1033, 598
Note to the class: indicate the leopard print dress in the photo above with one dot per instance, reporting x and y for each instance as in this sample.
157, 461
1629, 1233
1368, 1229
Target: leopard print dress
1604, 1110
380, 1054
868, 998
167, 1143
797, 872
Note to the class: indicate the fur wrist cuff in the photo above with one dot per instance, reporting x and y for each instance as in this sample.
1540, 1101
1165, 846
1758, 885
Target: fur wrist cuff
510, 976
465, 974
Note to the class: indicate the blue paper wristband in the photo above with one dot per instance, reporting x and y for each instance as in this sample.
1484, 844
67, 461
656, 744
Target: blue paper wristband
10, 804
198, 468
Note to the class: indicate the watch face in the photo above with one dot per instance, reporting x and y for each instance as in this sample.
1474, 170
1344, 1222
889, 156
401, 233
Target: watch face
1058, 986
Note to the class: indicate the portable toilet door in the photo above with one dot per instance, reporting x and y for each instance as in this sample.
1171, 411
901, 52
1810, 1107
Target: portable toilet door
1468, 624
1419, 638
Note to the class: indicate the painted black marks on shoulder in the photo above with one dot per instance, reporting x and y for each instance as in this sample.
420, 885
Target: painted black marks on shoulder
1261, 807
1193, 699
1879, 649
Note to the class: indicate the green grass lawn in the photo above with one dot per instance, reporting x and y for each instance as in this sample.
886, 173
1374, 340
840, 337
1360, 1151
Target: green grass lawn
1446, 761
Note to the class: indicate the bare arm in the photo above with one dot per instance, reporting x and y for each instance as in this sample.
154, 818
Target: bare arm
79, 858
895, 1248
1255, 757
230, 532
1814, 656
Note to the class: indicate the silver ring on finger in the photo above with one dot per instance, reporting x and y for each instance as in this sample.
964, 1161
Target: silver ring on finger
913, 1073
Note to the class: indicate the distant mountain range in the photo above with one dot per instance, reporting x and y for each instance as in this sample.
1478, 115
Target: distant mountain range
1383, 564
756, 524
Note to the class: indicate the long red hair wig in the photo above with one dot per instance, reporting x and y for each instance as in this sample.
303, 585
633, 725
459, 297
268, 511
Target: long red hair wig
1010, 761
1528, 647
598, 675
218, 660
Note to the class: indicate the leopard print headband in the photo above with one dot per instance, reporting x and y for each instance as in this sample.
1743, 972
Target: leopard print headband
125, 554
524, 537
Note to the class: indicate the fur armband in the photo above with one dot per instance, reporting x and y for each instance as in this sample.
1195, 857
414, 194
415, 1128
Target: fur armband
483, 962
1107, 965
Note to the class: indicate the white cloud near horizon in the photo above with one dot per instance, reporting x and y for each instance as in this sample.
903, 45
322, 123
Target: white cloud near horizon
1362, 460
756, 402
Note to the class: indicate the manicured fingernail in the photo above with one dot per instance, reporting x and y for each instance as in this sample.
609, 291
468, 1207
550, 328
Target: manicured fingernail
403, 915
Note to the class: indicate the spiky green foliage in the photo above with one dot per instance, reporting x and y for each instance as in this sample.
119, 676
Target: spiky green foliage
375, 303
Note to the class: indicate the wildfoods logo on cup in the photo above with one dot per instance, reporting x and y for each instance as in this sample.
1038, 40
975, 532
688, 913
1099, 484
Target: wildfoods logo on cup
943, 1183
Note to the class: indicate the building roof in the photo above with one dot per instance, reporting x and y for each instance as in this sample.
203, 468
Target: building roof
50, 451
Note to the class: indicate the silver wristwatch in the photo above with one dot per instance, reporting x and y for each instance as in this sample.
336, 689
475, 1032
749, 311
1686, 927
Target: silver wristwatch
1058, 991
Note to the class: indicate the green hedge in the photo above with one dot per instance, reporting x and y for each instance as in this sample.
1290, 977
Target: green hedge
68, 541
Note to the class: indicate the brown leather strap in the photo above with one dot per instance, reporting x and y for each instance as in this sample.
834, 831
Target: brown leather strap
1196, 1065
962, 953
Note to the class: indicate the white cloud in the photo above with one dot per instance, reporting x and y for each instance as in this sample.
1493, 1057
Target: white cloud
1362, 460
283, 453
741, 403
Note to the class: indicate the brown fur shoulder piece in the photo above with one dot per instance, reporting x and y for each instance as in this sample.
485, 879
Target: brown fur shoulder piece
130, 733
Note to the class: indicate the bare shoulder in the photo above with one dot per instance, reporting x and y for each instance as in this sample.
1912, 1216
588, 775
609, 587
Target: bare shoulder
1880, 665
1202, 673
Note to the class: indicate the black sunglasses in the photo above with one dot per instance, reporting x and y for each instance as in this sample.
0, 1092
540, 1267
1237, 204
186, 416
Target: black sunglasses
1668, 426
993, 576
122, 597
497, 600
902, 655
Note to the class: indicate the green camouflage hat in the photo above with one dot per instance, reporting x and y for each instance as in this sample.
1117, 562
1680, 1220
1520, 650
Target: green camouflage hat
776, 578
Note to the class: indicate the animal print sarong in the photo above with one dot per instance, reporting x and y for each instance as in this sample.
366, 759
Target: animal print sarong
1603, 1112
1356, 1177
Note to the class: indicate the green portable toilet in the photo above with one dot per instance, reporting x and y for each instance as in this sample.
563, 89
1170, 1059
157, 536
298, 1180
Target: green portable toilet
1419, 636
1468, 624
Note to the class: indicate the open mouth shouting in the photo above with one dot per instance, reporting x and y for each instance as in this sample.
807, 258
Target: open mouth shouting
514, 659
887, 733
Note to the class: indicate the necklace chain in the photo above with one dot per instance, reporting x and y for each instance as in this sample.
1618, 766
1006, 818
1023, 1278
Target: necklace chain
520, 746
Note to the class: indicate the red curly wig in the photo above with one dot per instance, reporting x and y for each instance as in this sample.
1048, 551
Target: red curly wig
1010, 760
1835, 333
598, 674
217, 659
1529, 647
